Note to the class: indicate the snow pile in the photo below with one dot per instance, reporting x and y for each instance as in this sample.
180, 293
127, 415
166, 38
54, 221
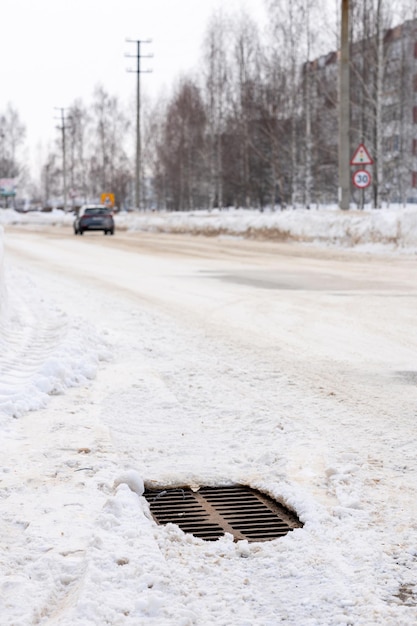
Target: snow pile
55, 217
3, 294
395, 227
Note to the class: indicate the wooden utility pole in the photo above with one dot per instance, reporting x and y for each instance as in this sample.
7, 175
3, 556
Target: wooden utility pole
138, 71
344, 109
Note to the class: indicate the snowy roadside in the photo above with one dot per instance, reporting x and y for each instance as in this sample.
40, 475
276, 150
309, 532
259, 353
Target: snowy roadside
394, 229
43, 351
391, 229
81, 549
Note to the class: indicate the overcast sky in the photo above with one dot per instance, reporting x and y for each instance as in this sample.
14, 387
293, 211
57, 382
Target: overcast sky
53, 51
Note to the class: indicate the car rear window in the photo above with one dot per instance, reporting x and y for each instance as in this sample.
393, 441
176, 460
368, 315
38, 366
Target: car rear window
96, 211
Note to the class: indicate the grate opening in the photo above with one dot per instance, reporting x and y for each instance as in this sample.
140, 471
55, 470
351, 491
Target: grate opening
210, 512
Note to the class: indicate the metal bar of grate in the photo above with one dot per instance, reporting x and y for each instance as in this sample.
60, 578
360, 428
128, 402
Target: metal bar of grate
210, 512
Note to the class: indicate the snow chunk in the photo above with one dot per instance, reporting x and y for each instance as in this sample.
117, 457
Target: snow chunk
133, 480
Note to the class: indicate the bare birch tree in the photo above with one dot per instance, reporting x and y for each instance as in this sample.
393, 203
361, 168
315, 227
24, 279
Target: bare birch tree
300, 32
216, 75
12, 135
109, 162
181, 148
79, 121
245, 70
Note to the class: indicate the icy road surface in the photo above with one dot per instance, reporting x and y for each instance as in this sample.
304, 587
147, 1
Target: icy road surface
289, 369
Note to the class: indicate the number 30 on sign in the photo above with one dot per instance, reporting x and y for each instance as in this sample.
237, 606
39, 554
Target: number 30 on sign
361, 179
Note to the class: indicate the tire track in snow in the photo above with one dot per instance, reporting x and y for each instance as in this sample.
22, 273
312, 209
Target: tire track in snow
29, 334
42, 351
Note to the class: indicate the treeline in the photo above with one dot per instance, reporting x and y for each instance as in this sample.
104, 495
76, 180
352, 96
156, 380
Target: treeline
97, 150
12, 136
257, 123
229, 133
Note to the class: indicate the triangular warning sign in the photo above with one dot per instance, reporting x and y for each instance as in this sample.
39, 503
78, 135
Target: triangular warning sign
361, 156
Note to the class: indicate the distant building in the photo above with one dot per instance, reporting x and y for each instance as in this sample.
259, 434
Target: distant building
8, 187
384, 119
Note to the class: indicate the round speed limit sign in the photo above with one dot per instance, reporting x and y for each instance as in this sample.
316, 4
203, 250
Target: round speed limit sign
361, 179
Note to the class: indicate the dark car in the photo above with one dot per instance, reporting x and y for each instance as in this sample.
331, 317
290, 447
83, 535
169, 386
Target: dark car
94, 217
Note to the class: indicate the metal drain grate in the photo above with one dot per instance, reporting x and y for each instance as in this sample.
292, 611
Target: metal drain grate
210, 512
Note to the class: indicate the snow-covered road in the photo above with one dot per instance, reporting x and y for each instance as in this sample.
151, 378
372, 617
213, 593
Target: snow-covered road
289, 369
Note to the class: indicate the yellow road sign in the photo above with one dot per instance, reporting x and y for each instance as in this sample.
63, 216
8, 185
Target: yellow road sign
107, 199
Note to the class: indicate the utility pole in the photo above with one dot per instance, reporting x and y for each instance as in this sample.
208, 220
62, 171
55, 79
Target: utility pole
344, 109
63, 128
138, 71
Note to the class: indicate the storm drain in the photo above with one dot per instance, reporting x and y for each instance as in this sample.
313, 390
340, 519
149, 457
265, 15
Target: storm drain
211, 512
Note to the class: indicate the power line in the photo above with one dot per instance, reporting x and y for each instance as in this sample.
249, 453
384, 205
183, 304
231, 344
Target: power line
138, 56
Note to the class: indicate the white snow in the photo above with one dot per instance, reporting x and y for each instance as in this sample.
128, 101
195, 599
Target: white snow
392, 228
105, 387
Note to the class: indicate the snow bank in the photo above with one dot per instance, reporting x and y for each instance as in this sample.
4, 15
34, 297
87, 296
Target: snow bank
55, 217
2, 282
394, 228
